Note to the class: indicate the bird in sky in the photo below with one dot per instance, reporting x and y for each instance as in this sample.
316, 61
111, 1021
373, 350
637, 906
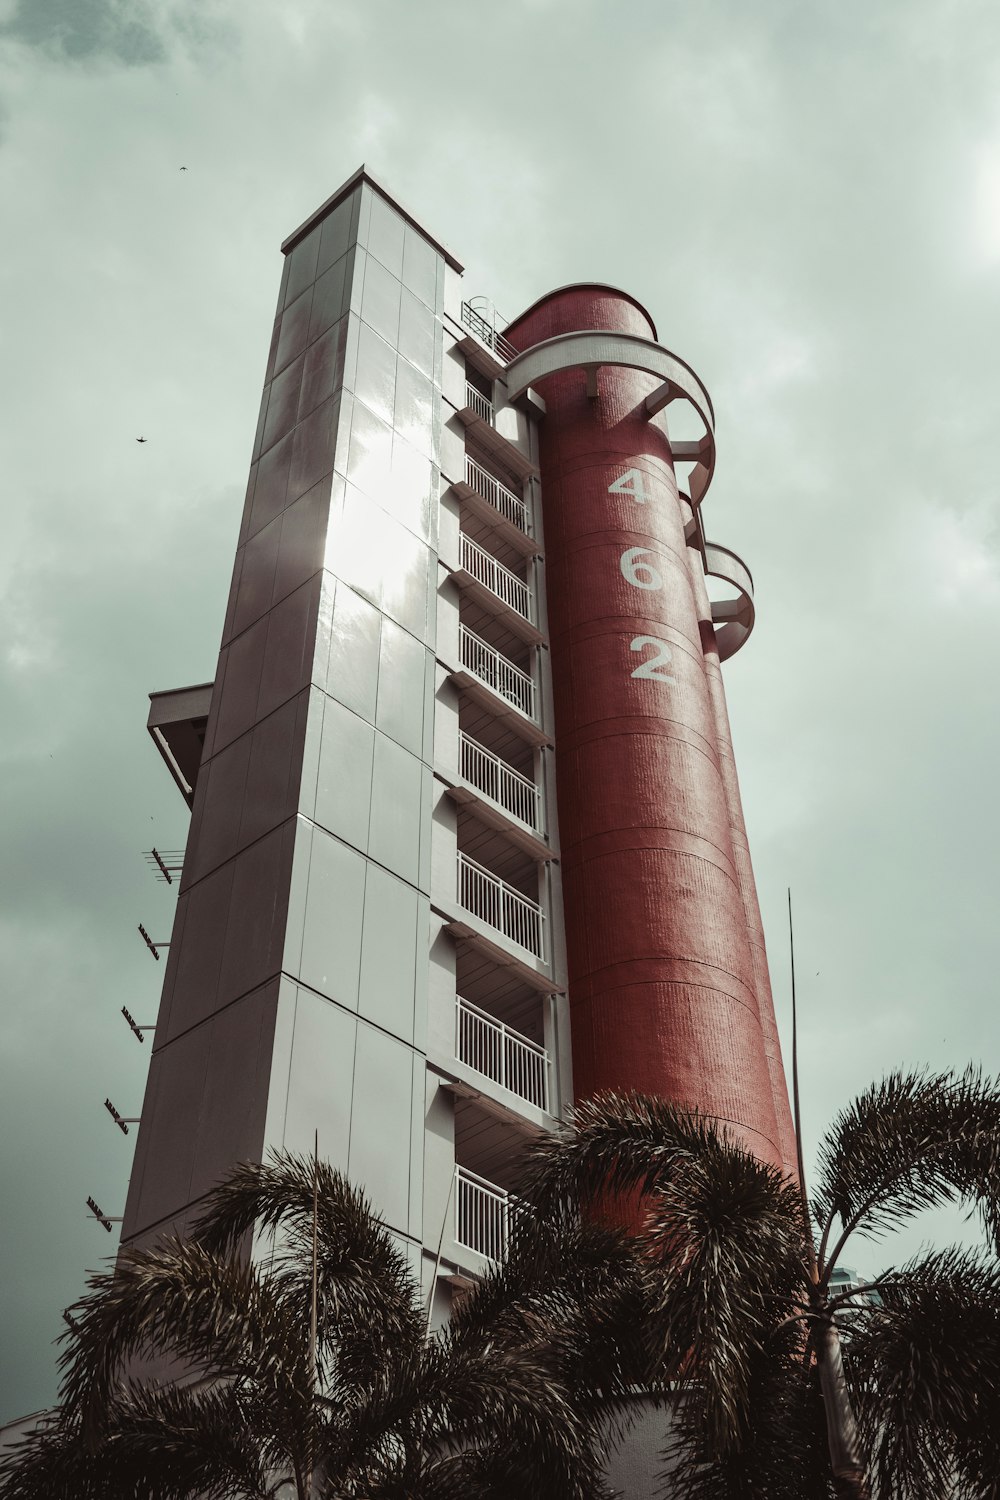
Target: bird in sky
183, 169
141, 440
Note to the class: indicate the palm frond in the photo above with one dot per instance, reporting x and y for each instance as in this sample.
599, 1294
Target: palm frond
160, 1442
509, 1404
915, 1140
367, 1303
781, 1454
615, 1143
924, 1368
175, 1299
576, 1292
51, 1463
725, 1234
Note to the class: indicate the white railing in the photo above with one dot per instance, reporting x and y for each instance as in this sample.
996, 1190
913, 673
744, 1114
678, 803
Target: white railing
479, 403
482, 1213
500, 782
485, 331
501, 906
507, 587
497, 1051
510, 506
497, 672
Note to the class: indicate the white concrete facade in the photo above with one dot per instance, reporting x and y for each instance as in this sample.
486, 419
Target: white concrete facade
369, 937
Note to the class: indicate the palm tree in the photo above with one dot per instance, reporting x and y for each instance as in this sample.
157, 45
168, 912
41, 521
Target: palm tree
193, 1369
900, 1373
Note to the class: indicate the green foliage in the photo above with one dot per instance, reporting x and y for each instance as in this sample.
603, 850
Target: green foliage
912, 1142
189, 1371
740, 1305
925, 1370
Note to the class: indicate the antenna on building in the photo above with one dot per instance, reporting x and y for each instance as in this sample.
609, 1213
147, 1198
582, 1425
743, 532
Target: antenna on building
122, 1121
139, 1030
154, 948
166, 864
101, 1216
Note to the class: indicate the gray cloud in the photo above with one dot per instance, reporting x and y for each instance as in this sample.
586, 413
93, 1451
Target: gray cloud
133, 33
85, 29
806, 198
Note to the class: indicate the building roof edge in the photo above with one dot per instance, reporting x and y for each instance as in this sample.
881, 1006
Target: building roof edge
603, 286
364, 175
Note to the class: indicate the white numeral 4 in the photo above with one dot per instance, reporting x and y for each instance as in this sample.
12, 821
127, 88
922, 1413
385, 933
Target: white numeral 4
652, 665
633, 484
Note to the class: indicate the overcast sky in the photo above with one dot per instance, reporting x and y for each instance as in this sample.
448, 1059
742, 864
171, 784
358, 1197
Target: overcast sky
806, 197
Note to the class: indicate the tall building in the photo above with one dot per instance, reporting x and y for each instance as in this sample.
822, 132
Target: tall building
466, 840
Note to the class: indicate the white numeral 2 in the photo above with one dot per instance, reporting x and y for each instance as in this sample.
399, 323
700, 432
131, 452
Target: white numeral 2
650, 667
633, 484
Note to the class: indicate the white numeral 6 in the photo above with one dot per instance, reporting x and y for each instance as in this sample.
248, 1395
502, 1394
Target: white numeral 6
642, 575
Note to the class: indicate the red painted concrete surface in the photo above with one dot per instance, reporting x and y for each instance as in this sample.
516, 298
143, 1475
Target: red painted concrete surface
744, 868
664, 993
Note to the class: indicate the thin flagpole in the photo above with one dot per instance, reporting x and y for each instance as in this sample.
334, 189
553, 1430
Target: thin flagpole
797, 1103
437, 1261
313, 1300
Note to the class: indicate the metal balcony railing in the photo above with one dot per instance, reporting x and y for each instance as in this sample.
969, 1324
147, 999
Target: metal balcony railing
492, 668
482, 1214
498, 1052
479, 404
500, 782
501, 906
510, 506
502, 348
507, 587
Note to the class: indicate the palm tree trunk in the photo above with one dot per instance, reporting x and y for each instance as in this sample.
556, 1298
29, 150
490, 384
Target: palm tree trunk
850, 1479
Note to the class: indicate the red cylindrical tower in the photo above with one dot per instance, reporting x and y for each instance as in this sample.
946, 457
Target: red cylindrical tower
744, 868
663, 993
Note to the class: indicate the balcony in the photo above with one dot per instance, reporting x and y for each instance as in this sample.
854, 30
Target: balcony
508, 789
503, 1055
496, 505
482, 1215
480, 419
478, 404
501, 906
497, 589
498, 685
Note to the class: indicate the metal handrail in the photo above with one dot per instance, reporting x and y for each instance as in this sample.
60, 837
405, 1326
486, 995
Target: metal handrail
488, 335
492, 668
499, 1052
515, 793
493, 575
479, 404
510, 506
501, 906
482, 1214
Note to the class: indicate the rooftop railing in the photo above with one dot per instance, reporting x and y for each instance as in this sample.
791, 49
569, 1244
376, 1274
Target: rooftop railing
487, 334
